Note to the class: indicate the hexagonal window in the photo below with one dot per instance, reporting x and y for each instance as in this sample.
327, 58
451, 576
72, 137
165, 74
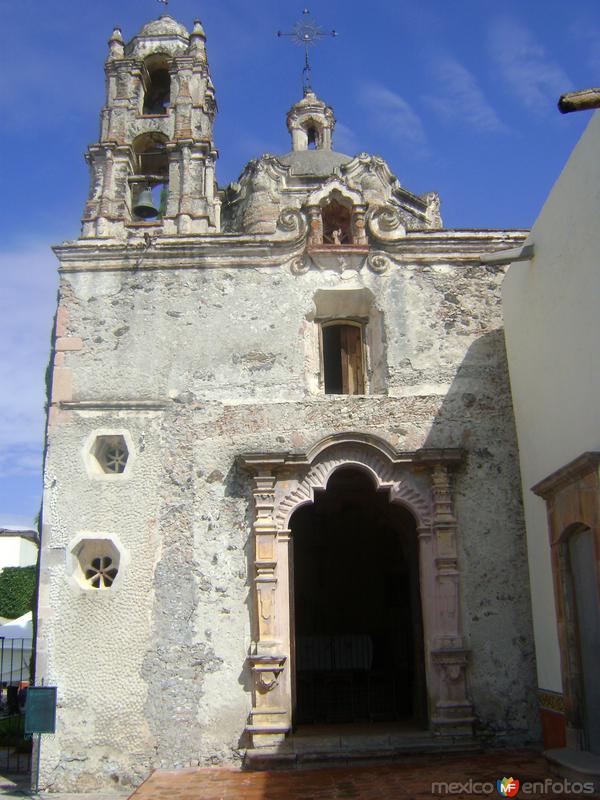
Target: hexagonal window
111, 453
101, 572
95, 563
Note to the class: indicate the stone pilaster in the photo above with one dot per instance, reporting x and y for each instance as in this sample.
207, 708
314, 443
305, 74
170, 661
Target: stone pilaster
453, 712
270, 716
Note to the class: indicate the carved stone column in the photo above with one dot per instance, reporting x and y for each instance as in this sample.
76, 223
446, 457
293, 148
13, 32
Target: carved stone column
183, 108
106, 198
315, 226
184, 216
453, 711
270, 716
359, 234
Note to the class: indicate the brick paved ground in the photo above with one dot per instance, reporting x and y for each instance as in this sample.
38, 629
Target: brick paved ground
391, 781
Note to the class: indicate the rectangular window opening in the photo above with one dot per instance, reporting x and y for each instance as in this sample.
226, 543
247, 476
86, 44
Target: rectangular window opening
343, 363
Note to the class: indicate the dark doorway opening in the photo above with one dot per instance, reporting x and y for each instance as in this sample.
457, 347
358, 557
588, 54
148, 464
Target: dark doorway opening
356, 607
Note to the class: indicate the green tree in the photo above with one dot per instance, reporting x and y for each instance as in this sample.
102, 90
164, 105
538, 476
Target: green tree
17, 591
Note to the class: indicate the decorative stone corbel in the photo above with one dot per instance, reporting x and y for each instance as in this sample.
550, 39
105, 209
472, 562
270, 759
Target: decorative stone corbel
266, 671
339, 259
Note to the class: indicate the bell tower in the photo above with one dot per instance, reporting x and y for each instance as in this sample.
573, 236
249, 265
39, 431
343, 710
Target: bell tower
311, 123
154, 166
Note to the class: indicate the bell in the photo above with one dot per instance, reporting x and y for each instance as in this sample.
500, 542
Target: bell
145, 207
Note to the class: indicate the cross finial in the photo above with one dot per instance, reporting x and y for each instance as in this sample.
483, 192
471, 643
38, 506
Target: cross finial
306, 33
165, 3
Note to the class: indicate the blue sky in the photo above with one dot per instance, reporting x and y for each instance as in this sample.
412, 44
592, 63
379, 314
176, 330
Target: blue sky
458, 97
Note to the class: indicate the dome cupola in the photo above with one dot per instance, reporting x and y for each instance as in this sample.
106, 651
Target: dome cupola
311, 123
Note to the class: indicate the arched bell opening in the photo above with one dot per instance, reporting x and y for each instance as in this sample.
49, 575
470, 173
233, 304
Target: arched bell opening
157, 85
356, 621
150, 183
312, 135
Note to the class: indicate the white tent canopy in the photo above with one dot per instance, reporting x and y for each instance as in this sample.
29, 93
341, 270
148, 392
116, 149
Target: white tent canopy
15, 649
21, 628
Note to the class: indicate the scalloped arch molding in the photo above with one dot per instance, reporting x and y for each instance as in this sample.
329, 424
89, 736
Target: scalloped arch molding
364, 456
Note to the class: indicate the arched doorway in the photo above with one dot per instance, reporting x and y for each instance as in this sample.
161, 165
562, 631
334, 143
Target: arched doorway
582, 617
355, 607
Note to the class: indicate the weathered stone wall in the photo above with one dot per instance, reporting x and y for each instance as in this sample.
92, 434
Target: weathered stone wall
198, 366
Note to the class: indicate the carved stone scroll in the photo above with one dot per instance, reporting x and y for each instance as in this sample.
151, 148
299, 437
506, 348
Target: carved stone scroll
385, 224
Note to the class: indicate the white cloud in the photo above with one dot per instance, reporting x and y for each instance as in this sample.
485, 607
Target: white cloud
535, 79
586, 33
27, 305
460, 97
344, 139
392, 115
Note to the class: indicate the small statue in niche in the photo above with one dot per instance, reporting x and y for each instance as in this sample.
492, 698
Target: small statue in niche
336, 236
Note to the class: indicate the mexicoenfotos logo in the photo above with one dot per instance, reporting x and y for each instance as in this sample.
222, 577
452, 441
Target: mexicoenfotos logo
507, 787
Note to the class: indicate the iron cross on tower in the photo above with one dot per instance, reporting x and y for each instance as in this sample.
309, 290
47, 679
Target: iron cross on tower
165, 3
307, 33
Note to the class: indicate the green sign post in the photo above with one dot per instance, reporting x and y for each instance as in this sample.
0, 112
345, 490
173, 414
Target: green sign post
40, 717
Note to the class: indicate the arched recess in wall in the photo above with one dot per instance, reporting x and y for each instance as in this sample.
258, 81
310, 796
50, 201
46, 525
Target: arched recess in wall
314, 133
580, 601
337, 216
157, 85
150, 182
336, 213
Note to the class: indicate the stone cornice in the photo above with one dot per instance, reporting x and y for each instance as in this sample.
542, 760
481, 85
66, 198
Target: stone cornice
249, 251
565, 476
449, 246
115, 405
272, 463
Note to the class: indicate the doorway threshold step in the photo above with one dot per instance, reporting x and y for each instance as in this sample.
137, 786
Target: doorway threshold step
579, 766
296, 755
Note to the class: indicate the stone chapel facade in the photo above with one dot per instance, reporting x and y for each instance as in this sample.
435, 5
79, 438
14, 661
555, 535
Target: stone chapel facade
281, 484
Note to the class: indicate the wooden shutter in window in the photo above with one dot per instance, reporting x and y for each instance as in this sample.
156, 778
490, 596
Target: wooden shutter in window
352, 359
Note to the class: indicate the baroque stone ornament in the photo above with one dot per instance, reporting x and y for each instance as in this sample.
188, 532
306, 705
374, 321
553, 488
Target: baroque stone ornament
378, 262
338, 259
385, 223
267, 670
300, 265
292, 221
